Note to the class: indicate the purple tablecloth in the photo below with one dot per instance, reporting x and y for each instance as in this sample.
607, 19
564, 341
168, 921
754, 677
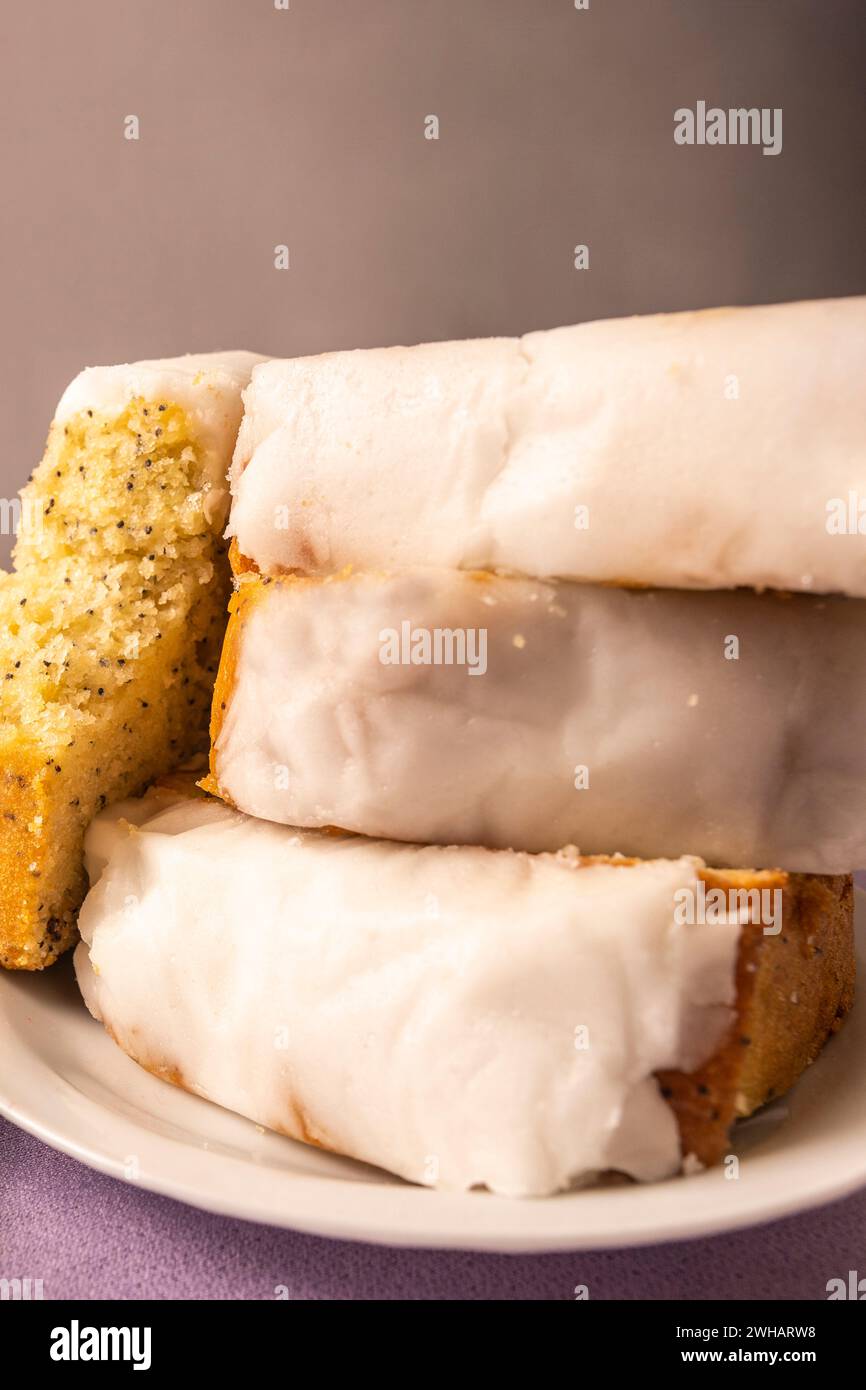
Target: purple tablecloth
88, 1236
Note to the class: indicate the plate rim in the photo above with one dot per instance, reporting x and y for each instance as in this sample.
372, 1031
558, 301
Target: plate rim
482, 1242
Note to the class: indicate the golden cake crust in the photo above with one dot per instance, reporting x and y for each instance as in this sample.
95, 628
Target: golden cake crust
794, 991
30, 938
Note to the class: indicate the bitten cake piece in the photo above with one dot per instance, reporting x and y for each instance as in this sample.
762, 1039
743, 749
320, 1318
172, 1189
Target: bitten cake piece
452, 707
111, 621
462, 1017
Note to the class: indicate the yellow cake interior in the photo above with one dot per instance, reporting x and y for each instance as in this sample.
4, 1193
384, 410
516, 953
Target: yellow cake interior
110, 631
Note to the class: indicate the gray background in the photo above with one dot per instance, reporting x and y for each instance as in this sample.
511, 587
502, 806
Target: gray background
306, 127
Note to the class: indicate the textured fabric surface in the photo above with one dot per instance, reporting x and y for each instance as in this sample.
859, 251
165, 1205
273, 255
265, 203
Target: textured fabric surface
87, 1236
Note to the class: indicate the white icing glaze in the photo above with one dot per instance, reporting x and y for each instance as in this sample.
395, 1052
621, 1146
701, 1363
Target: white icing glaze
206, 385
754, 761
705, 446
413, 1007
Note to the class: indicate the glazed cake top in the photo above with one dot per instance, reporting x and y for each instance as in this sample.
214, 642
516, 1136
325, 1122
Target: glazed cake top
503, 1013
706, 449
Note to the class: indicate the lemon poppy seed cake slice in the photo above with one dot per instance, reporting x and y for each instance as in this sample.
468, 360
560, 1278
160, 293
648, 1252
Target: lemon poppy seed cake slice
460, 1016
111, 623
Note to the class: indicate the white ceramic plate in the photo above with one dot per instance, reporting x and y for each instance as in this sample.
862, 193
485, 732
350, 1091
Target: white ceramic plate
66, 1082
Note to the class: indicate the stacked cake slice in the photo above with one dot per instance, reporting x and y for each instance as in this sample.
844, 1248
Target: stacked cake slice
446, 706
526, 635
463, 1017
